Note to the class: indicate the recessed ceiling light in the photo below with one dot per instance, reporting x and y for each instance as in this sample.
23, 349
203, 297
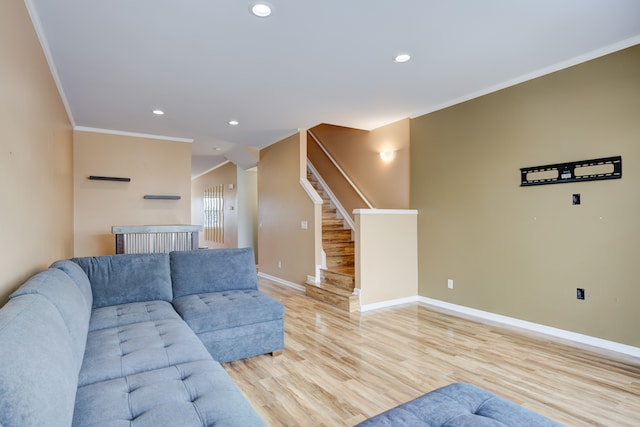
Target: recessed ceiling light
261, 10
403, 57
158, 112
233, 122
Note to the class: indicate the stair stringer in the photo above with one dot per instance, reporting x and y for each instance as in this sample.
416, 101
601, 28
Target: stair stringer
332, 284
332, 198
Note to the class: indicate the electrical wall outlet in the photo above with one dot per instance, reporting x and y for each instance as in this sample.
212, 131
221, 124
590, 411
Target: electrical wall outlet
450, 283
279, 264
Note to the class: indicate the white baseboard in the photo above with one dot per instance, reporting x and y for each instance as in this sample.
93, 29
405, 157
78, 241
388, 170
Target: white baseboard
390, 303
492, 317
535, 327
281, 281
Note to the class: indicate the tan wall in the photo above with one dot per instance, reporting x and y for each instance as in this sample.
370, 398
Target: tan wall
385, 185
523, 251
36, 186
248, 209
386, 245
348, 197
156, 167
282, 205
225, 175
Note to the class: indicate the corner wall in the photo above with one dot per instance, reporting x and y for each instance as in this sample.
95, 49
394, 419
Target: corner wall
286, 251
36, 182
522, 251
247, 210
156, 167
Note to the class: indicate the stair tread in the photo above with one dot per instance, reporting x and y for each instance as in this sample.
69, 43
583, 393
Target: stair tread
335, 262
349, 243
338, 279
339, 246
349, 304
340, 254
342, 271
337, 232
333, 221
329, 287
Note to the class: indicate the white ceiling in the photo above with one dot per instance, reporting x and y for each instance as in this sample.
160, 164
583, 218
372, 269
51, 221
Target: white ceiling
205, 62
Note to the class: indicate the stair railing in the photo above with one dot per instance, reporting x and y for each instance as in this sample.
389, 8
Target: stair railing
334, 200
341, 171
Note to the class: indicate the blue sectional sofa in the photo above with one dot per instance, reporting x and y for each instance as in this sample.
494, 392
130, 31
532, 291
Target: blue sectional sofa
135, 340
458, 405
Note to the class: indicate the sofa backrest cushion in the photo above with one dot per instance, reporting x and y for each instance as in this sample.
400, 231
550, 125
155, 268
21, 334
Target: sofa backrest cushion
212, 270
38, 374
122, 279
58, 288
79, 277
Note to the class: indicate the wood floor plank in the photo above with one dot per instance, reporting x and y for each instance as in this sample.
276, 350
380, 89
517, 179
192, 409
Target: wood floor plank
340, 368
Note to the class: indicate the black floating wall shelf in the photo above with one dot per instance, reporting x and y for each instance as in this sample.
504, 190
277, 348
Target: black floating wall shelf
108, 178
584, 170
149, 196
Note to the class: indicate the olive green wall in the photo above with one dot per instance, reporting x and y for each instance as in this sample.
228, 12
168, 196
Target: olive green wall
523, 251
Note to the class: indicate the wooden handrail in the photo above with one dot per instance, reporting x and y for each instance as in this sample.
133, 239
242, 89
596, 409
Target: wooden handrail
342, 172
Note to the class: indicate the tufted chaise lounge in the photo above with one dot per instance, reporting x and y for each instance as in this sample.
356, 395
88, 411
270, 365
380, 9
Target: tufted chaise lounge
97, 341
460, 405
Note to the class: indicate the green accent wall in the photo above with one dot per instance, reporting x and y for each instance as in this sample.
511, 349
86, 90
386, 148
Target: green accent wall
523, 251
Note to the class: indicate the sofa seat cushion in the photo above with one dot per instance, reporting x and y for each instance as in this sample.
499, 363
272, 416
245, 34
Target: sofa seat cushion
138, 347
458, 405
228, 309
191, 394
227, 345
135, 312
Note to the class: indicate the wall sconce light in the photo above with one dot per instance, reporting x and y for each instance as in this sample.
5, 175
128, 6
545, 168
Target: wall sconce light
387, 156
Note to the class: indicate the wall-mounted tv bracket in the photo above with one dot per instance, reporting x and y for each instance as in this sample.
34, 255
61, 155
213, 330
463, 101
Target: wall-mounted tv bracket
595, 170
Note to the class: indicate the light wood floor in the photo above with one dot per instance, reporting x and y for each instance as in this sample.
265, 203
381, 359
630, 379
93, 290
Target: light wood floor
340, 368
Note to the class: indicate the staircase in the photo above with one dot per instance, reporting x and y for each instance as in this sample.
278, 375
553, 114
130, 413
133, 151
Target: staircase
337, 281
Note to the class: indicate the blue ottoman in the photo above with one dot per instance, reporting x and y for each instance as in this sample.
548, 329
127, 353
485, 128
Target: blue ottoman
458, 405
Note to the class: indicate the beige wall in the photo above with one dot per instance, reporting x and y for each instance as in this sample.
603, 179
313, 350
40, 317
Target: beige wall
225, 175
386, 246
248, 209
523, 251
282, 205
156, 167
385, 185
36, 187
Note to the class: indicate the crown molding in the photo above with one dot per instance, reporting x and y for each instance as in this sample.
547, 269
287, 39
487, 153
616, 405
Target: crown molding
133, 134
37, 25
591, 55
